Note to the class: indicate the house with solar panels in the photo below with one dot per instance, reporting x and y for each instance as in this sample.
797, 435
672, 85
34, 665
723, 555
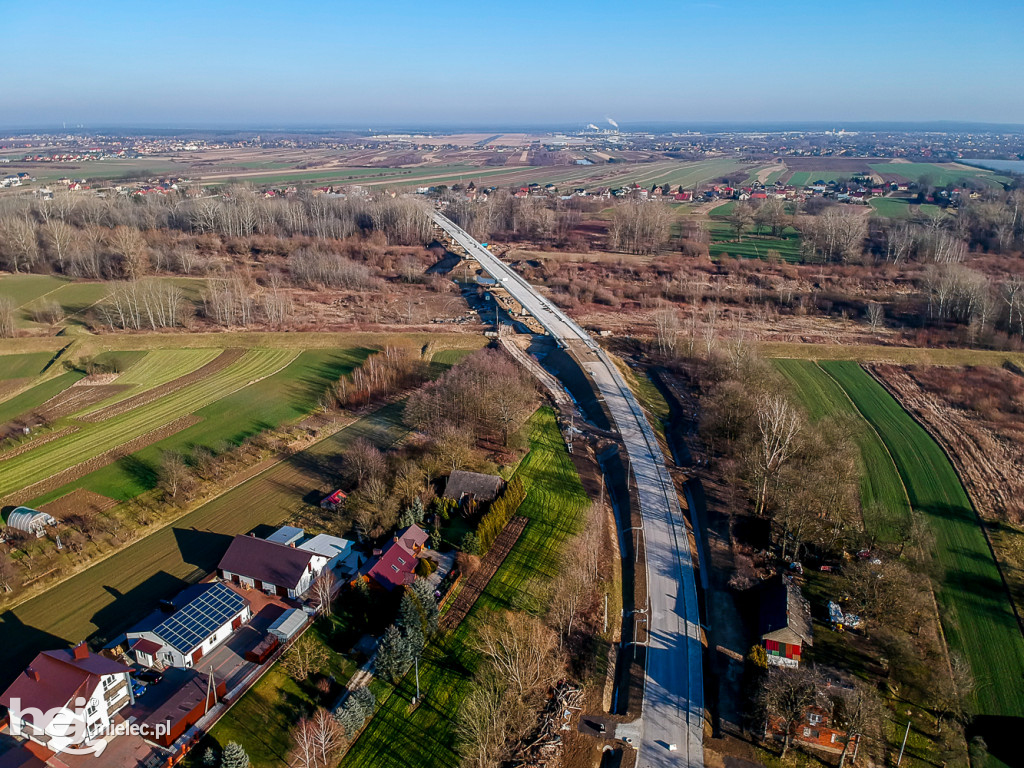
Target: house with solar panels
208, 615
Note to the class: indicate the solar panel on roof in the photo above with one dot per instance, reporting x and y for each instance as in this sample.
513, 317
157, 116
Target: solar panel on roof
195, 622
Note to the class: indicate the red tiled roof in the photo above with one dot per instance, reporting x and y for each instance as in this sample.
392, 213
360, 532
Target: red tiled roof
395, 565
144, 645
61, 678
267, 561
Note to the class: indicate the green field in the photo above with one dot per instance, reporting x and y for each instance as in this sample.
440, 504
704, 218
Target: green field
940, 174
95, 438
118, 591
751, 245
554, 505
901, 208
883, 498
23, 366
23, 289
285, 396
37, 395
976, 613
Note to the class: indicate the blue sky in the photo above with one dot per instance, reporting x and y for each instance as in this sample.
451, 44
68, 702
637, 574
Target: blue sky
372, 64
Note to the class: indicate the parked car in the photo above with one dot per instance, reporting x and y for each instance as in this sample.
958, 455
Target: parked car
138, 689
148, 676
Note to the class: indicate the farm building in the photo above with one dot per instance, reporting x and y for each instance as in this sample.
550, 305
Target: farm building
187, 696
395, 565
56, 678
472, 487
785, 621
30, 520
277, 569
210, 613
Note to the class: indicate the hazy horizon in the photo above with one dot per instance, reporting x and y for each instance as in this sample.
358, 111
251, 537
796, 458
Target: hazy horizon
348, 66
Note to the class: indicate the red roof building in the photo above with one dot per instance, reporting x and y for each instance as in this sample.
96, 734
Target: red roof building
396, 564
56, 679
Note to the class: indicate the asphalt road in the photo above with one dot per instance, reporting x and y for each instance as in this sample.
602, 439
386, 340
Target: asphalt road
673, 713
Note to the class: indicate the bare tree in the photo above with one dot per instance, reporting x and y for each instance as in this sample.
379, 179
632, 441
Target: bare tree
785, 696
482, 724
876, 315
328, 738
8, 324
304, 753
304, 658
363, 461
666, 332
59, 236
323, 592
778, 424
856, 710
521, 648
8, 573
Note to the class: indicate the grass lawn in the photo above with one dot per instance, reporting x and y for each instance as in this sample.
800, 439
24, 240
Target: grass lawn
803, 178
975, 609
883, 498
554, 504
901, 208
262, 718
112, 594
23, 366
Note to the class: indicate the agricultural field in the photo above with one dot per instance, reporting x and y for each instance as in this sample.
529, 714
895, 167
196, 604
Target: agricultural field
976, 612
802, 178
23, 366
902, 208
883, 498
940, 174
554, 504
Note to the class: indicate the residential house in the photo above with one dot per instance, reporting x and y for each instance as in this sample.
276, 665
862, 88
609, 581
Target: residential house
209, 614
277, 569
814, 729
395, 565
785, 625
471, 488
341, 557
71, 679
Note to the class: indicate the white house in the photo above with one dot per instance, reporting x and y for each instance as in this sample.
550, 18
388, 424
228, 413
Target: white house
74, 679
191, 632
277, 569
342, 559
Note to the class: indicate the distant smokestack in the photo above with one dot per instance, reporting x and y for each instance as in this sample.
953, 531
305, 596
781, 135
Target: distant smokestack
612, 123
593, 127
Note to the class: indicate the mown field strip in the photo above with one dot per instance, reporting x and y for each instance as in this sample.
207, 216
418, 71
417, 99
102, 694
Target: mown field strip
974, 605
884, 500
158, 367
34, 396
94, 439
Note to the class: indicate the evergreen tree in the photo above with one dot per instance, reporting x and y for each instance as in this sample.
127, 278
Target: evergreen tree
417, 509
471, 544
394, 655
234, 756
407, 518
210, 758
430, 613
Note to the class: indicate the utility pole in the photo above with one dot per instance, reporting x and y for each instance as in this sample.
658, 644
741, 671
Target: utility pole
904, 745
416, 660
605, 613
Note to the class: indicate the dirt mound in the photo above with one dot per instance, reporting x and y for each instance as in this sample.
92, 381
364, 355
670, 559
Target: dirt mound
219, 363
